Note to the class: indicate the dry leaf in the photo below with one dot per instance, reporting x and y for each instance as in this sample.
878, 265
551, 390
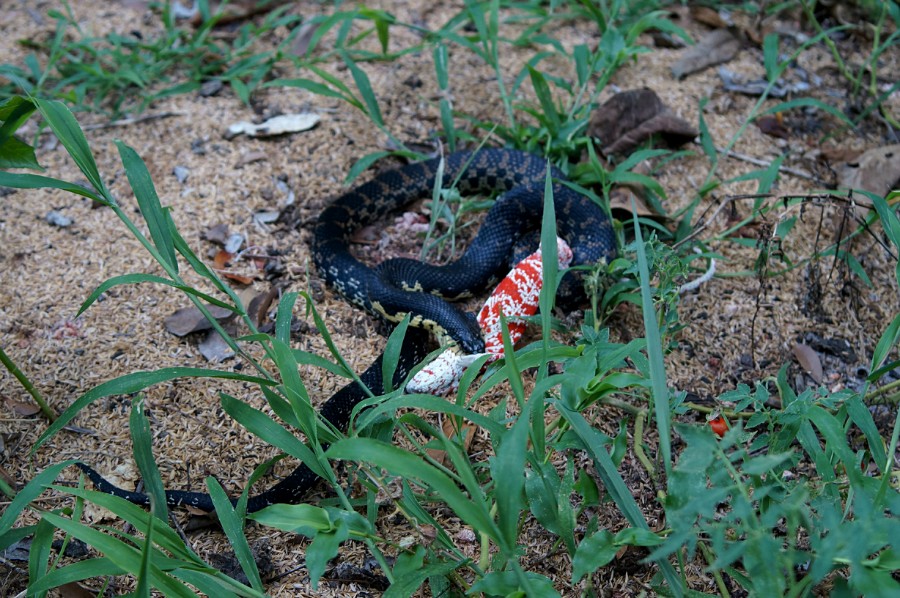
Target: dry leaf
708, 16
217, 234
876, 171
809, 361
715, 48
773, 126
630, 118
23, 409
449, 428
214, 348
189, 319
620, 199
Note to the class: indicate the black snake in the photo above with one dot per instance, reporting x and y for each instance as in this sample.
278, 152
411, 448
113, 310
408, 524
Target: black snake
400, 286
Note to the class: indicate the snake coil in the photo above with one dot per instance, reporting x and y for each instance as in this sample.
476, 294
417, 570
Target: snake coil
400, 286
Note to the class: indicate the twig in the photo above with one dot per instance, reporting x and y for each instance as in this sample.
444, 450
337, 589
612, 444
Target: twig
759, 162
124, 122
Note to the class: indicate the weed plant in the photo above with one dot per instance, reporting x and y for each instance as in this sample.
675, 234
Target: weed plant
734, 502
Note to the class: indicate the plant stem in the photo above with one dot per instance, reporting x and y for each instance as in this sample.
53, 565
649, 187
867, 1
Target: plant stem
638, 444
26, 383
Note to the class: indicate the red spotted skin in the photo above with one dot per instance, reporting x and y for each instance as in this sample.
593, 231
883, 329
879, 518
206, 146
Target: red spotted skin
517, 296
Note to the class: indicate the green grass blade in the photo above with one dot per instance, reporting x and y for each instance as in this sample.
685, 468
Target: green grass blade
615, 485
654, 354
809, 103
148, 201
36, 181
143, 456
508, 473
39, 553
124, 555
165, 537
138, 278
392, 354
87, 569
261, 425
132, 383
233, 526
406, 465
69, 133
143, 576
365, 90
284, 315
32, 490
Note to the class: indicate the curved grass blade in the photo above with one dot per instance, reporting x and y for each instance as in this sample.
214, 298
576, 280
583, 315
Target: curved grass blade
143, 456
36, 181
138, 278
406, 465
125, 555
233, 525
148, 201
32, 490
69, 132
262, 426
134, 382
87, 569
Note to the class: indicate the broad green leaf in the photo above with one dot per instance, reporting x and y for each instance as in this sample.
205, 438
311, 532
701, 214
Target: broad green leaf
593, 552
322, 549
18, 154
299, 519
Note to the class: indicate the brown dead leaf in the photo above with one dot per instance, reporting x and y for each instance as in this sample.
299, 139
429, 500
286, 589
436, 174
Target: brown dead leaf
222, 261
876, 171
23, 409
630, 118
707, 16
620, 199
715, 48
809, 361
189, 319
450, 431
773, 126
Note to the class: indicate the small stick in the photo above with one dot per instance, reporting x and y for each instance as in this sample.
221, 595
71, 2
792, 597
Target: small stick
759, 162
124, 122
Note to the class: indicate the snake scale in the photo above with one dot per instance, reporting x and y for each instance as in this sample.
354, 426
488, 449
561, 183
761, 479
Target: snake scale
400, 286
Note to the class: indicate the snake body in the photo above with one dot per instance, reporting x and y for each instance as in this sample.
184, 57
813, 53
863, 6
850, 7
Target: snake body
398, 287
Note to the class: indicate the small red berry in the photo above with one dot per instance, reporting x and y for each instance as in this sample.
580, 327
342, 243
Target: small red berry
719, 425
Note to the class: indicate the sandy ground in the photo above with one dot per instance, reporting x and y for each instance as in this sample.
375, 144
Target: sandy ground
737, 328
